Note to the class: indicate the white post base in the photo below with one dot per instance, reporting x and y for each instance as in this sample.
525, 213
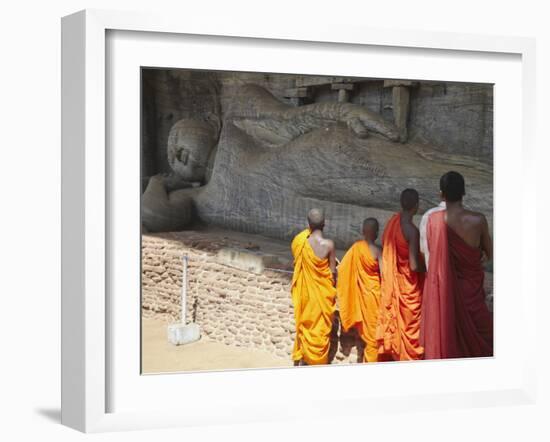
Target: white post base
179, 334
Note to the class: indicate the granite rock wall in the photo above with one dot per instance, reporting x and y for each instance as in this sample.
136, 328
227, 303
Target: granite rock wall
457, 118
454, 117
167, 97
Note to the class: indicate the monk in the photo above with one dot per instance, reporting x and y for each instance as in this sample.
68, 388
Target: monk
398, 328
313, 291
358, 288
456, 322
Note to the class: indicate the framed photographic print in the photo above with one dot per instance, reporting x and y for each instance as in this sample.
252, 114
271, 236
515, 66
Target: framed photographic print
249, 213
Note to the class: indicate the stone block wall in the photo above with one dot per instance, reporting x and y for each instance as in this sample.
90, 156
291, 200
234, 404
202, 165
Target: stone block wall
232, 306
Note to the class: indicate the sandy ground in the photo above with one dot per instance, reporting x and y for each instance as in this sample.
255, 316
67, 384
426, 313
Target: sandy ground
160, 356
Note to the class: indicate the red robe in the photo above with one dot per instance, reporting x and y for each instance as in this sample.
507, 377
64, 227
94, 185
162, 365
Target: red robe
456, 322
398, 325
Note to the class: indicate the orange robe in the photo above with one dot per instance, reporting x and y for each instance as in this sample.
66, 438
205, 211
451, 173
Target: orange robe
398, 329
313, 296
358, 292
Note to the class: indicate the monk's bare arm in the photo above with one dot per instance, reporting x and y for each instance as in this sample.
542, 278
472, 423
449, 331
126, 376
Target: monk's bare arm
332, 261
413, 236
486, 241
379, 257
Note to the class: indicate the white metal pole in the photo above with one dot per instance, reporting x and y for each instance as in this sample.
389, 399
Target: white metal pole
184, 290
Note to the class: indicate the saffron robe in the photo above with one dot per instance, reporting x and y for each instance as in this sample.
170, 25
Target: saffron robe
358, 292
313, 296
398, 326
456, 322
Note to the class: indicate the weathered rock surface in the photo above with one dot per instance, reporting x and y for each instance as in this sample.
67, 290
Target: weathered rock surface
273, 162
456, 118
162, 211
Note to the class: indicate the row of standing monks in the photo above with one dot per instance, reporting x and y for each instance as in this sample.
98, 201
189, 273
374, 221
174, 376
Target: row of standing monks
419, 295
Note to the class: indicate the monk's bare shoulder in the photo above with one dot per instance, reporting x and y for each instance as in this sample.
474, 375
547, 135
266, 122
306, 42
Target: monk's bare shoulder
475, 216
329, 244
476, 220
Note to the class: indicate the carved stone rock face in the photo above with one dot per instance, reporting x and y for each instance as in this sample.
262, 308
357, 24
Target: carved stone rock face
189, 145
274, 162
259, 189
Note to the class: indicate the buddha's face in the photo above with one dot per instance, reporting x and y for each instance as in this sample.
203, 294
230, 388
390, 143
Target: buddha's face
189, 145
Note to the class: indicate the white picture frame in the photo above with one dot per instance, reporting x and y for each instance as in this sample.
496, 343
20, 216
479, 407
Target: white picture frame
87, 231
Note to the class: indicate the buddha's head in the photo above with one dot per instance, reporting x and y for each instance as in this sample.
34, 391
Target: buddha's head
190, 143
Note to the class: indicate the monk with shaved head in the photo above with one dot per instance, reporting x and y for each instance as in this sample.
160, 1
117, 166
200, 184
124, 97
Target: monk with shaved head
398, 329
358, 288
456, 322
313, 291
